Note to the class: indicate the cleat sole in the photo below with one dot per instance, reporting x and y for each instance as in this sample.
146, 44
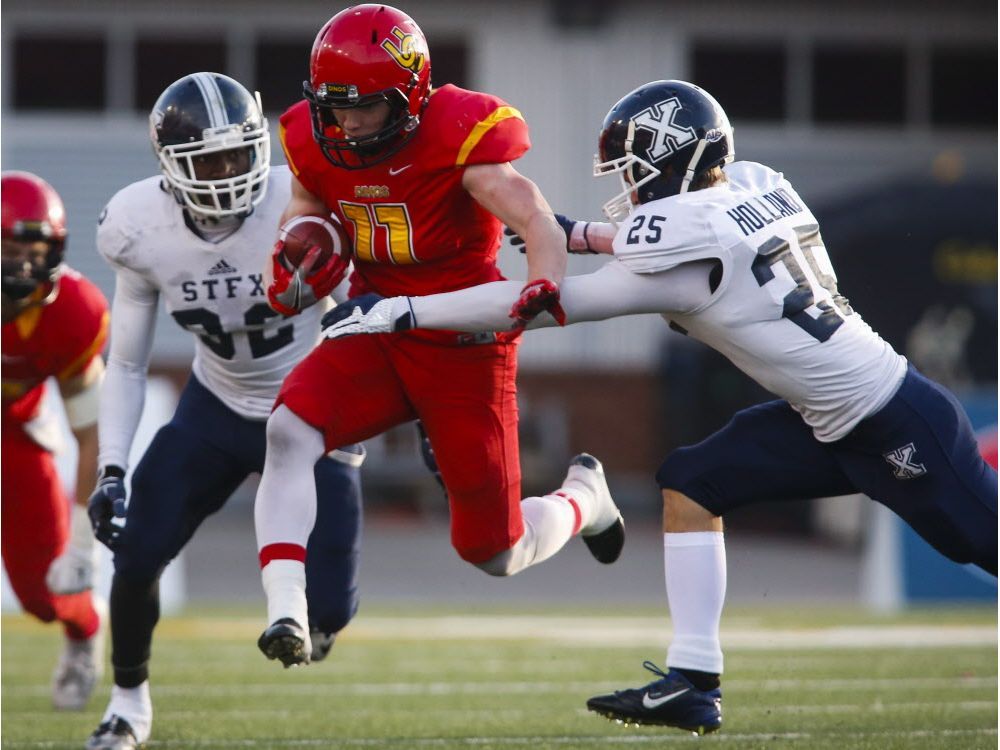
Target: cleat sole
632, 721
290, 650
284, 643
606, 547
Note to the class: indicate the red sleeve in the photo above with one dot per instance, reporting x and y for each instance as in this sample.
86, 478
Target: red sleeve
301, 151
79, 325
499, 137
477, 128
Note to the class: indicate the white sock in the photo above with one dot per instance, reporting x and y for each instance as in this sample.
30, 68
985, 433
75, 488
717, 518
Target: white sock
135, 706
550, 521
695, 568
285, 588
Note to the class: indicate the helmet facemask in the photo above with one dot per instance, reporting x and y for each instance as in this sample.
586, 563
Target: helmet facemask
359, 153
218, 198
628, 168
23, 273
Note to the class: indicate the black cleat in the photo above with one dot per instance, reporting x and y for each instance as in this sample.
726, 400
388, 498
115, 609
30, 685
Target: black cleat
606, 546
285, 640
670, 701
321, 644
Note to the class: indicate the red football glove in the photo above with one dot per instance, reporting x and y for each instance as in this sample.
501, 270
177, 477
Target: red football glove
290, 291
538, 296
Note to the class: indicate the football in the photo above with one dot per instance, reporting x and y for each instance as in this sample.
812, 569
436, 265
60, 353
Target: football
302, 233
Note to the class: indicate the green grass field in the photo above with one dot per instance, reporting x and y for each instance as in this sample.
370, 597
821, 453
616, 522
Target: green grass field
443, 679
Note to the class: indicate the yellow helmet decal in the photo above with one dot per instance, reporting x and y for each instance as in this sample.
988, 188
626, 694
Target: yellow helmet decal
404, 53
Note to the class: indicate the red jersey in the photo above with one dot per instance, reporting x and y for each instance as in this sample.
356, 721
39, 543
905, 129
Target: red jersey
59, 339
415, 228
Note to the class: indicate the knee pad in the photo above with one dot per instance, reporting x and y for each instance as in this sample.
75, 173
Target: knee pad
513, 560
500, 565
332, 617
289, 435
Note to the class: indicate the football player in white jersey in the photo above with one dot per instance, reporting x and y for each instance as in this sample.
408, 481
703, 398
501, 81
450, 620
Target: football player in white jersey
730, 255
196, 236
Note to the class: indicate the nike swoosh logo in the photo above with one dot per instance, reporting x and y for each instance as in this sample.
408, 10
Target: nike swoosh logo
394, 172
654, 702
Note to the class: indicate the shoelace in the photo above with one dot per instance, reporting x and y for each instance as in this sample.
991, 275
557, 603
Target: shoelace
116, 726
655, 670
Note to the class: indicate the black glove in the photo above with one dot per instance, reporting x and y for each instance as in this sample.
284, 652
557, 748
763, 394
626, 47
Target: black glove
576, 236
106, 503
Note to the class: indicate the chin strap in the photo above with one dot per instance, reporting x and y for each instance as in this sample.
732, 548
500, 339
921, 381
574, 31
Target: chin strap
691, 172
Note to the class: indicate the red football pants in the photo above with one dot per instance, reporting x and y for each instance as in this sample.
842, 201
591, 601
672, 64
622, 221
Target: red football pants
357, 387
35, 529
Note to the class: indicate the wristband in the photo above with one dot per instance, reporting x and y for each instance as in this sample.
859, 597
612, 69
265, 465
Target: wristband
578, 239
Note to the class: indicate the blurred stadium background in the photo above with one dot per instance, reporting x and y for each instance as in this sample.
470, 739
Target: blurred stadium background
884, 116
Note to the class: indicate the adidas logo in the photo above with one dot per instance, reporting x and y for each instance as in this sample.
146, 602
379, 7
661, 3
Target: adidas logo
221, 267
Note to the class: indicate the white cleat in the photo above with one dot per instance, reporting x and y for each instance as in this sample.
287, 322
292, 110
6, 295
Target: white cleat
80, 668
604, 535
113, 734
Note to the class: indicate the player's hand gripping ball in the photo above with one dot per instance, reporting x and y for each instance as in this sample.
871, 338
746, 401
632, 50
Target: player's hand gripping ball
301, 234
309, 259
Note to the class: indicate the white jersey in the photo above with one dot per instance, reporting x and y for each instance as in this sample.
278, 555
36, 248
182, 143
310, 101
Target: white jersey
243, 349
776, 313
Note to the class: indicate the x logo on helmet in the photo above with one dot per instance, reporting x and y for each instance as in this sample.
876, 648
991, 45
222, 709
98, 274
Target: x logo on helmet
404, 54
667, 137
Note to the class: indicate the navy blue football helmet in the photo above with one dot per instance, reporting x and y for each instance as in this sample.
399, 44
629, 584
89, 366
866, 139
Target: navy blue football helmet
659, 138
204, 114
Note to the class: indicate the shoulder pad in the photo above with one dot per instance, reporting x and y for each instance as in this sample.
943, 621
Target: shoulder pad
665, 233
136, 209
475, 128
749, 175
295, 134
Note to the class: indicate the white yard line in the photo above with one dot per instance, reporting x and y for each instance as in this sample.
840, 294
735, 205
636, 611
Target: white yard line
492, 687
877, 707
610, 632
657, 737
628, 632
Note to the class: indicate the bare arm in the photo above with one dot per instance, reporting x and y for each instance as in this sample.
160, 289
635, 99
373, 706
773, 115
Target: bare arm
518, 203
600, 235
82, 389
302, 202
72, 571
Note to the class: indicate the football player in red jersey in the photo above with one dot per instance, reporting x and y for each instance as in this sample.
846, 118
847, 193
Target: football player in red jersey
54, 325
423, 183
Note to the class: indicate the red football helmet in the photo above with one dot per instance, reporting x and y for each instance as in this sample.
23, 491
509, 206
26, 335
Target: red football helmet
32, 212
363, 55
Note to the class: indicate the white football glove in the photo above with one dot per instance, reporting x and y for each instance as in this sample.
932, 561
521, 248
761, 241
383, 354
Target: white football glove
368, 314
73, 571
